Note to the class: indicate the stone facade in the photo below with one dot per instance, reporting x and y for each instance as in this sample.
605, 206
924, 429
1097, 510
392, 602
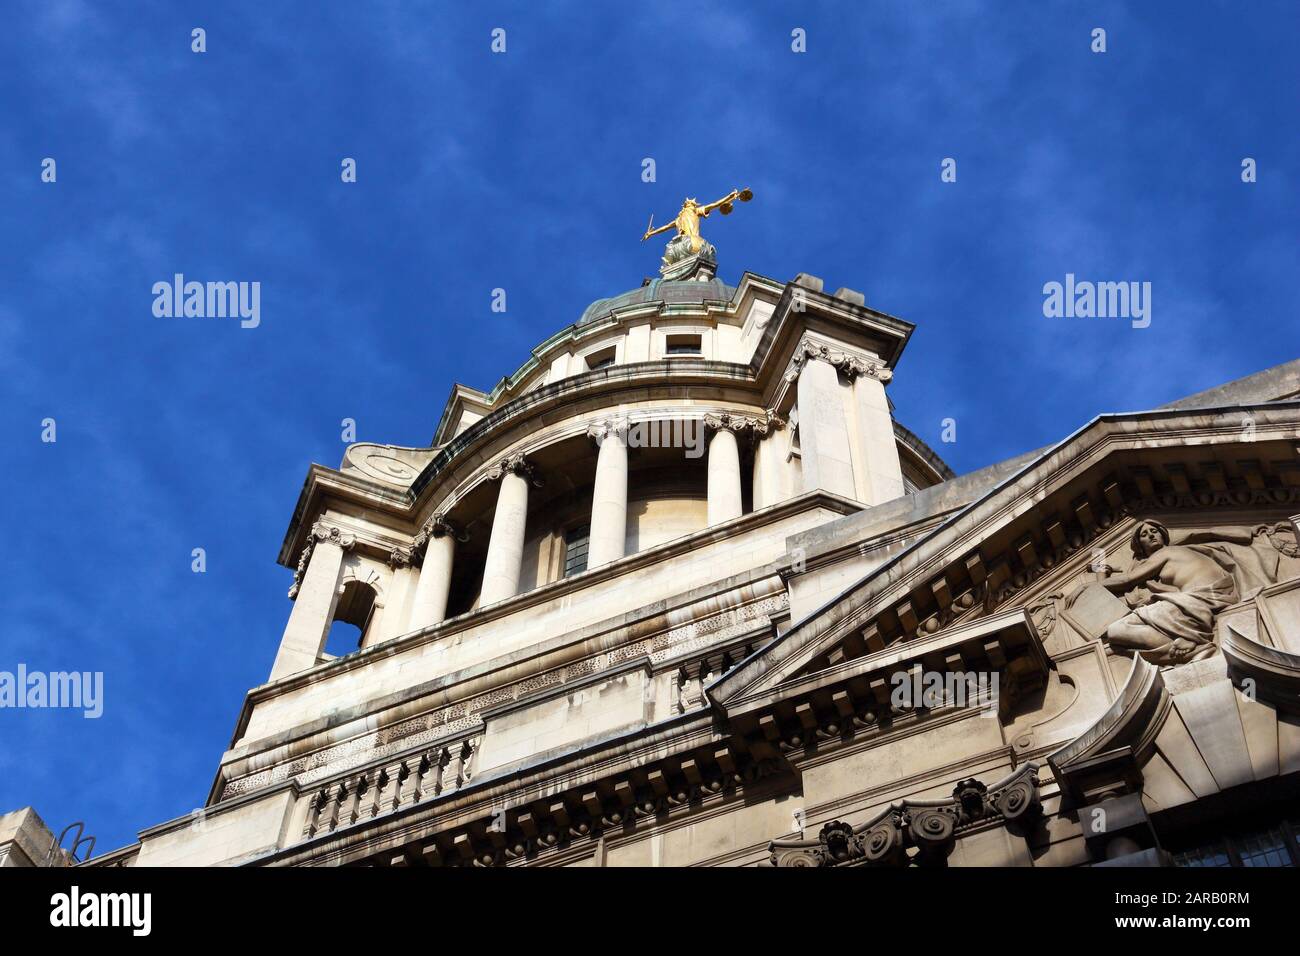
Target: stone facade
679, 591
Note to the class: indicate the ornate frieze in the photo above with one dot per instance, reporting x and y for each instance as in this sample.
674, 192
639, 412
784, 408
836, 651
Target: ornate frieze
849, 365
928, 828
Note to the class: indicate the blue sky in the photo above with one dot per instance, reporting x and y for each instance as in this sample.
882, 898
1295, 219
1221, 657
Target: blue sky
523, 171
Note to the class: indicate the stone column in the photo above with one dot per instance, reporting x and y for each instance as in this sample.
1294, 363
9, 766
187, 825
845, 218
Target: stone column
315, 593
608, 535
883, 478
506, 545
846, 434
725, 500
438, 540
771, 479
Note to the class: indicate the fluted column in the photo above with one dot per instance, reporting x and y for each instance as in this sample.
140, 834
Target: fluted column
608, 534
438, 540
506, 545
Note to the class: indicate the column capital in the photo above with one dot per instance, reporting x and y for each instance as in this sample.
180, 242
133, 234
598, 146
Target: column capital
437, 526
401, 558
736, 423
601, 430
850, 365
335, 535
319, 532
516, 464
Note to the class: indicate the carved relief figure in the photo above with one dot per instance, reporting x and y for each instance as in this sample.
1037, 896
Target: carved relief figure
1177, 585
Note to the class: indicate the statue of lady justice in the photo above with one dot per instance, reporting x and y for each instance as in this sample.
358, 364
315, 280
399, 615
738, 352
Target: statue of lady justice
688, 241
1175, 589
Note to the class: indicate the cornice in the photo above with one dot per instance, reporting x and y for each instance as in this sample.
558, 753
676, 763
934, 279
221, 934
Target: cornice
906, 585
759, 383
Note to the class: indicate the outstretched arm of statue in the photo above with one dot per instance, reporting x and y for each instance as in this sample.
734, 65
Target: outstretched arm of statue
654, 232
730, 197
1231, 535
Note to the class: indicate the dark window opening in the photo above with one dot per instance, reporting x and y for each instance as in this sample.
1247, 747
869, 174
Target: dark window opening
575, 550
683, 345
1272, 846
601, 359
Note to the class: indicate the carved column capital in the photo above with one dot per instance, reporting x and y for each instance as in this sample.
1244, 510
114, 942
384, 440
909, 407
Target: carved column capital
319, 532
323, 532
437, 526
515, 464
733, 422
850, 365
401, 558
599, 431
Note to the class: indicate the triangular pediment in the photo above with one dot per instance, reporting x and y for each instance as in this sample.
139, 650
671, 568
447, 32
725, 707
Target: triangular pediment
1039, 525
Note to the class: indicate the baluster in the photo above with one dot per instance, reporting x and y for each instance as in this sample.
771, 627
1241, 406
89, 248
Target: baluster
314, 813
409, 791
467, 761
336, 794
360, 789
386, 788
431, 781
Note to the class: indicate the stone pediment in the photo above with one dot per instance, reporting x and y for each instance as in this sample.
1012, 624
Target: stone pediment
1039, 528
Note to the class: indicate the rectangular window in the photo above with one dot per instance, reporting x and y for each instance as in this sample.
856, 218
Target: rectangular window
1274, 846
602, 359
683, 345
575, 550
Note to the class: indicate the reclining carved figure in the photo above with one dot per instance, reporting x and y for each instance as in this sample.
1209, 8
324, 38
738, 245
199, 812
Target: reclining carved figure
1177, 585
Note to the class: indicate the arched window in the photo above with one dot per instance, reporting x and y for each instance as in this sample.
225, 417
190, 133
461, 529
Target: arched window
352, 618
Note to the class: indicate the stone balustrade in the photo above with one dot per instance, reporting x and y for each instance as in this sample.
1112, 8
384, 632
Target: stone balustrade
400, 782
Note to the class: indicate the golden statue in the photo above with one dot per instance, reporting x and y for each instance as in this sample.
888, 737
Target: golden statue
687, 222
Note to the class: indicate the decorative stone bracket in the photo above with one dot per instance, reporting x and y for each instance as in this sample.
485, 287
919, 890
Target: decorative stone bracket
928, 827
